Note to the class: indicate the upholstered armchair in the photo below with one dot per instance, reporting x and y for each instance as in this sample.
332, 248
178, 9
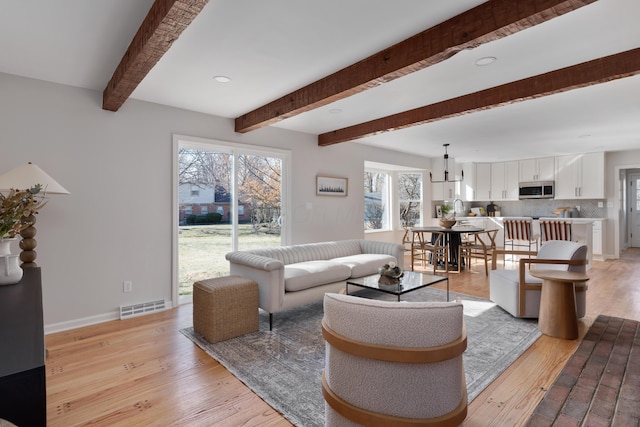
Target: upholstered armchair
393, 362
517, 292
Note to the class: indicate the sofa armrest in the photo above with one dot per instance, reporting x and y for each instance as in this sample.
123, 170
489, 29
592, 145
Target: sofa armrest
267, 272
387, 248
254, 261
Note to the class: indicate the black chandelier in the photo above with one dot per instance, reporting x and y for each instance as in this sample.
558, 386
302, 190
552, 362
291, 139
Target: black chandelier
446, 169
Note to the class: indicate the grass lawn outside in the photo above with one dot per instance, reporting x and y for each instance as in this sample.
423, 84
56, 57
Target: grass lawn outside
201, 250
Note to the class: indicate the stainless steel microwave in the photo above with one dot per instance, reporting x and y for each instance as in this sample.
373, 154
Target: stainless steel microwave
536, 190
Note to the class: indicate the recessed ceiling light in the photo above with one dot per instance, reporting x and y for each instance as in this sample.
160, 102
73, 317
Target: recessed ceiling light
481, 62
222, 79
335, 111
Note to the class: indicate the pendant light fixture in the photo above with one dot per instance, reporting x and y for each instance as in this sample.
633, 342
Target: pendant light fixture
446, 169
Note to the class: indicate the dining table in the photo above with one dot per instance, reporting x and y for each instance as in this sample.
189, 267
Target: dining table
453, 238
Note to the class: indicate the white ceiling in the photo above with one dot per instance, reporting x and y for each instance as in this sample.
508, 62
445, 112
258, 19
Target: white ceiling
271, 48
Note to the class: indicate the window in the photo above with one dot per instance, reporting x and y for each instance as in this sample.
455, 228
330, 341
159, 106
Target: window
376, 200
247, 185
195, 193
393, 197
410, 198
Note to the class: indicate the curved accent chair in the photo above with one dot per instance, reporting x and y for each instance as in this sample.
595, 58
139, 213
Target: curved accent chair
393, 363
517, 292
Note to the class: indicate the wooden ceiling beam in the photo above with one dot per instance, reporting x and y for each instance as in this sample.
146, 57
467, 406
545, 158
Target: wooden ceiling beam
164, 23
485, 23
597, 71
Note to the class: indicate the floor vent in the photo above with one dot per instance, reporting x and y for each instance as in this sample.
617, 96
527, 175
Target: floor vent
127, 311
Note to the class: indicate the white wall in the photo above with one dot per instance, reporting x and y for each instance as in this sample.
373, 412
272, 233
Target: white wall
116, 224
616, 162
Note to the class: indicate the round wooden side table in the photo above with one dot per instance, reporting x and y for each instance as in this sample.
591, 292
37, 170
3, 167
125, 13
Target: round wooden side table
558, 317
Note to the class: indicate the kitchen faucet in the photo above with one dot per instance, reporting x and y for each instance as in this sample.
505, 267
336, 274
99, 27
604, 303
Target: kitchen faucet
455, 206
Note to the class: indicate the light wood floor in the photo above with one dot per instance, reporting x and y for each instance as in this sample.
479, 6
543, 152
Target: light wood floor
144, 372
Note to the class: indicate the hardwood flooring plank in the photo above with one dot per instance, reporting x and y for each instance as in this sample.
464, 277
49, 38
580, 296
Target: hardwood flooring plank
143, 371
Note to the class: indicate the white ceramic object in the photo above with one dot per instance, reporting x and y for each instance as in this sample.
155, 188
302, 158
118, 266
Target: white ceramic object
10, 271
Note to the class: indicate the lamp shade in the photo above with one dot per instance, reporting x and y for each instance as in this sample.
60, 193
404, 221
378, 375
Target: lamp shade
28, 175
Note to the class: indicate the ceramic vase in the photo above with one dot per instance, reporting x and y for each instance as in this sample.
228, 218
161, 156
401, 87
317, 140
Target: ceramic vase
10, 271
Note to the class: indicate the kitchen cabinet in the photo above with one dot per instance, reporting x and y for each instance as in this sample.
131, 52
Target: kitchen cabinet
445, 190
580, 176
597, 239
483, 181
468, 186
542, 169
504, 181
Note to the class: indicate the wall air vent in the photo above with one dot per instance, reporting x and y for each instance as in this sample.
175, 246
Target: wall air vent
127, 311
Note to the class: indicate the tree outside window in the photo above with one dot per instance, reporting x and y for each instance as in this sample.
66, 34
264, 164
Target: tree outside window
376, 200
410, 197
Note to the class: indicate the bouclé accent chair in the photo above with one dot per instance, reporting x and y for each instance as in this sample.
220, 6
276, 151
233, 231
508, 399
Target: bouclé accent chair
517, 292
393, 363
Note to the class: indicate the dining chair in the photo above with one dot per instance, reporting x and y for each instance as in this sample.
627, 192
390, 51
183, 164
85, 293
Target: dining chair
554, 230
518, 232
430, 247
480, 245
406, 239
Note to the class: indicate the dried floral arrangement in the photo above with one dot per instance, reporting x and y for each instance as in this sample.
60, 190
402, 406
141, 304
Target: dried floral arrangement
16, 208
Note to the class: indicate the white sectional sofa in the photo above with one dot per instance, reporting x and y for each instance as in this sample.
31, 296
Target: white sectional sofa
291, 276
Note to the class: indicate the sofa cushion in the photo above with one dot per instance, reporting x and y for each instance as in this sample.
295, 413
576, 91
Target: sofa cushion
310, 251
304, 275
365, 264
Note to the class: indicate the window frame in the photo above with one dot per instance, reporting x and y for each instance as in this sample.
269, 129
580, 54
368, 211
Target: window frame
393, 188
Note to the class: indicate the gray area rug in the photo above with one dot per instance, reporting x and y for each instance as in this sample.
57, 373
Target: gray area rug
284, 366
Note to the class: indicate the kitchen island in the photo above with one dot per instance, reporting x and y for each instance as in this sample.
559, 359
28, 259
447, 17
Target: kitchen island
584, 230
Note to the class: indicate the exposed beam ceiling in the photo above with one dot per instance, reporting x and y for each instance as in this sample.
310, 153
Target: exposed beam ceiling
164, 23
485, 23
600, 70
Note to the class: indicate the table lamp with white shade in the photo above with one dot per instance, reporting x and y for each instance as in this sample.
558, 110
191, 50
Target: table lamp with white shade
25, 177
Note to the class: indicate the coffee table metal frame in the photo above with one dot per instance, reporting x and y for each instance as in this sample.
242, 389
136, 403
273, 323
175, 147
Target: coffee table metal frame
411, 281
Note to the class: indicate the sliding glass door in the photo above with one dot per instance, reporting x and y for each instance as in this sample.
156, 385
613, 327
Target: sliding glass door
229, 197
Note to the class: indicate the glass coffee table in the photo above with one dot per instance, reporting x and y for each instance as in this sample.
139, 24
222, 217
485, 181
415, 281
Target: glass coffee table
411, 281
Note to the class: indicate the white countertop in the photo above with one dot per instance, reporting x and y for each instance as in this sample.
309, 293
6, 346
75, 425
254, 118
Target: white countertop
578, 219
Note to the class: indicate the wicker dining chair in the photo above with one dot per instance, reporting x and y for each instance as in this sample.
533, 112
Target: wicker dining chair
480, 246
430, 248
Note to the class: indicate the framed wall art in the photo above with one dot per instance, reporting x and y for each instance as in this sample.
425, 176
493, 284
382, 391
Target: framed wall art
331, 186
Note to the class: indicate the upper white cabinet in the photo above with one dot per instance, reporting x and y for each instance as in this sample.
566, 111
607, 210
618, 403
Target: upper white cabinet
483, 181
504, 181
445, 190
580, 176
468, 186
542, 169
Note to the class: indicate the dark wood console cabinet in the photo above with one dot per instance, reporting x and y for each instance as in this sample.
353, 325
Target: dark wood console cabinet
23, 395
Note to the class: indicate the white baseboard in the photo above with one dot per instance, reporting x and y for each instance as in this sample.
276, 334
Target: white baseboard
87, 321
